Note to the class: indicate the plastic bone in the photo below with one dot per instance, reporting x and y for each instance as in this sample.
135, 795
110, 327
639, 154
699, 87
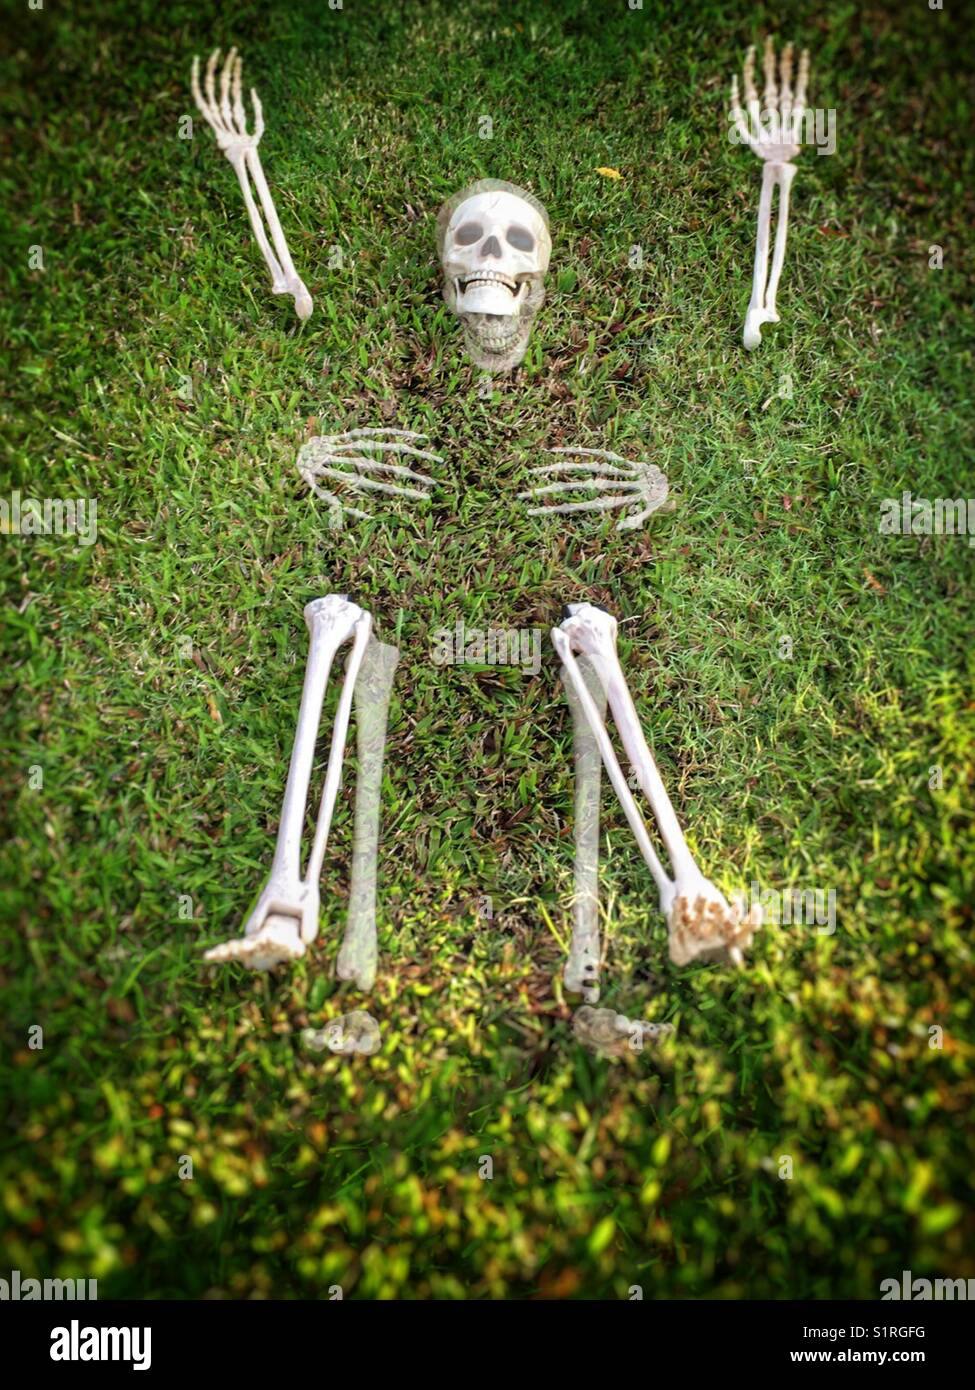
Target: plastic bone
357, 1032
773, 132
701, 923
609, 1034
638, 486
357, 958
581, 973
364, 462
495, 245
227, 118
285, 920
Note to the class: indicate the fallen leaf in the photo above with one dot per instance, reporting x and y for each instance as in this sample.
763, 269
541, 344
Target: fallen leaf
609, 173
874, 583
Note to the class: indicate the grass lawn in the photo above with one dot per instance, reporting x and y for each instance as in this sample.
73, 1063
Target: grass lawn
150, 681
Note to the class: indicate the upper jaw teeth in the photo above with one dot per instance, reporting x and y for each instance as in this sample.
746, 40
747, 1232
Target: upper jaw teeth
488, 277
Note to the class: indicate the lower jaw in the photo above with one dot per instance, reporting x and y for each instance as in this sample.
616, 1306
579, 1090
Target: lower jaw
498, 355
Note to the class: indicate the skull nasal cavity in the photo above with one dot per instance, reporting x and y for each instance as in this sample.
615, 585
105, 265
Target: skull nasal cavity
492, 247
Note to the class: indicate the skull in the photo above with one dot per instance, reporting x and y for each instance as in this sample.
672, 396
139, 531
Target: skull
494, 246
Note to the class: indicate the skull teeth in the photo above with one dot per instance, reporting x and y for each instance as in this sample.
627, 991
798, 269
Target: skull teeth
488, 277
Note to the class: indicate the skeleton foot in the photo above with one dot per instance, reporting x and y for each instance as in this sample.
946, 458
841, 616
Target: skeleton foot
278, 942
701, 923
228, 121
359, 461
705, 926
357, 1032
773, 132
641, 486
285, 920
609, 1034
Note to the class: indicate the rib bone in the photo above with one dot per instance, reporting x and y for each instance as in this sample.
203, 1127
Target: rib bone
701, 923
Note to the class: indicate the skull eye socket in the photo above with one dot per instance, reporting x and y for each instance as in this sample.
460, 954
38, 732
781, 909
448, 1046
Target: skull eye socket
468, 233
520, 238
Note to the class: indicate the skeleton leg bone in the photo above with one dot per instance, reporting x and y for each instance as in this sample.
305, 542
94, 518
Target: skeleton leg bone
228, 120
357, 958
701, 923
581, 973
285, 920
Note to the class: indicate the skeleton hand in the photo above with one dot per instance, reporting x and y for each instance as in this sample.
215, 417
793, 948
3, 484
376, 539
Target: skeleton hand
640, 486
773, 129
773, 132
352, 457
228, 121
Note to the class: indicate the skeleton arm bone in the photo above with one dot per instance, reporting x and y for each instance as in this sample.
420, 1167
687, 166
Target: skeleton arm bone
776, 143
761, 307
226, 117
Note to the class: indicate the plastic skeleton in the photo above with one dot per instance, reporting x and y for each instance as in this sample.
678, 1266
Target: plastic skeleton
773, 132
356, 460
285, 921
640, 486
228, 120
702, 925
493, 224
